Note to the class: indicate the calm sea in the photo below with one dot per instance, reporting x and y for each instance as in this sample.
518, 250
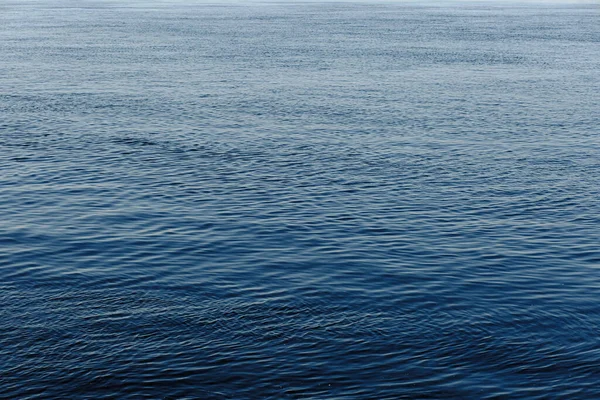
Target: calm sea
299, 201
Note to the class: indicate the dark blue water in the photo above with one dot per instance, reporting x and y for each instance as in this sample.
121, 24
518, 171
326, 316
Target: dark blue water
299, 201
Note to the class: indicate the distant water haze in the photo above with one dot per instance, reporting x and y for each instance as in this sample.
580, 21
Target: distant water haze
149, 3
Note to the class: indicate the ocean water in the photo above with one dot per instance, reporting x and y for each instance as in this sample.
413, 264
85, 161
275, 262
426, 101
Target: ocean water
299, 201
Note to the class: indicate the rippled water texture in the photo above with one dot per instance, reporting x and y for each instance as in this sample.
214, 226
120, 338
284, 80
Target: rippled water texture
299, 201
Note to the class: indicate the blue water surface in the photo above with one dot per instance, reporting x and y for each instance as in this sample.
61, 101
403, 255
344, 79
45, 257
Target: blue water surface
299, 201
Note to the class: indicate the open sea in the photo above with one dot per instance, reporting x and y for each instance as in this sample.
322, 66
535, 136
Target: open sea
296, 200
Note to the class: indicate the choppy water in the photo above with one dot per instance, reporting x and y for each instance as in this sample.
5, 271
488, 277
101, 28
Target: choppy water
324, 201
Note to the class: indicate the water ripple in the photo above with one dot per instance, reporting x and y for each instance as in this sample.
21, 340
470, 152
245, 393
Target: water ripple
303, 201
